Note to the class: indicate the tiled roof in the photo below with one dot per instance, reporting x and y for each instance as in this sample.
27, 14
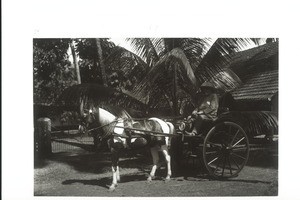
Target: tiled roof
259, 86
258, 71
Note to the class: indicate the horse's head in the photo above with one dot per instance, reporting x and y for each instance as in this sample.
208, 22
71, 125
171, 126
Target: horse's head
186, 124
87, 117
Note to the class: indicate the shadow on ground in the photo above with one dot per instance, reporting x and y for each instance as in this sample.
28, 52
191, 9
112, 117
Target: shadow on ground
263, 158
99, 162
106, 181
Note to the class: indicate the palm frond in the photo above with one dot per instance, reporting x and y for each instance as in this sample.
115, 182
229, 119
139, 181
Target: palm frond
146, 49
179, 55
218, 56
225, 80
257, 41
160, 74
131, 66
159, 46
96, 95
195, 49
121, 52
254, 122
158, 85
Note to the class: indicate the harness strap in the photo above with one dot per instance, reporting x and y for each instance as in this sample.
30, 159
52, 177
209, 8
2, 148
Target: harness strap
92, 129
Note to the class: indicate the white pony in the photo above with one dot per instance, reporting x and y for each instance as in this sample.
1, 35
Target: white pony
140, 134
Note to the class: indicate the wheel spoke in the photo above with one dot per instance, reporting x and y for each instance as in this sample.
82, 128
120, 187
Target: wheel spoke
224, 163
226, 149
217, 166
229, 165
210, 152
234, 136
213, 160
238, 142
237, 155
214, 144
235, 163
242, 148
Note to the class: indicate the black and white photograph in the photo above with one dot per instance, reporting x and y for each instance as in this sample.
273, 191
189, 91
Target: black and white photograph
138, 99
155, 116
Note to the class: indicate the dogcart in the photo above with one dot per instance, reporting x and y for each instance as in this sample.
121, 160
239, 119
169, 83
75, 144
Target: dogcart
223, 147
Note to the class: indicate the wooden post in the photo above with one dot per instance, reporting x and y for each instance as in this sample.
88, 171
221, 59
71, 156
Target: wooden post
43, 139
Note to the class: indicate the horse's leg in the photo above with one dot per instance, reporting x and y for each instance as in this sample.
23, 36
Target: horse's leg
115, 170
115, 162
155, 158
164, 149
118, 174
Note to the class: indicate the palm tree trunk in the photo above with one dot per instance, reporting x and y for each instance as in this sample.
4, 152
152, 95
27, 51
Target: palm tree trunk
75, 62
175, 102
101, 63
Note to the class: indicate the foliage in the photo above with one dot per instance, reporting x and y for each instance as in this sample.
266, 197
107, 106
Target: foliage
86, 49
52, 71
178, 66
123, 68
163, 72
97, 95
254, 122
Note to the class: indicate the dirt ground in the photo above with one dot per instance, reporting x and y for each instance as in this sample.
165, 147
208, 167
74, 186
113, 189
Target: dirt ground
79, 173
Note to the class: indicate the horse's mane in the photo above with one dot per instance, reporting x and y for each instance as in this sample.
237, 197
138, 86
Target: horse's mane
117, 111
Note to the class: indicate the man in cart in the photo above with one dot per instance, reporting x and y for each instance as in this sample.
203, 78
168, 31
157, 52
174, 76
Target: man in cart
208, 102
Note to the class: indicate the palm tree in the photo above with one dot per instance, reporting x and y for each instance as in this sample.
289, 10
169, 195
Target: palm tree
101, 62
176, 67
103, 58
75, 61
92, 53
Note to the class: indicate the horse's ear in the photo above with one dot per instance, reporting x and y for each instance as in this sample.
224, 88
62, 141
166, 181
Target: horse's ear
92, 110
136, 125
147, 124
150, 124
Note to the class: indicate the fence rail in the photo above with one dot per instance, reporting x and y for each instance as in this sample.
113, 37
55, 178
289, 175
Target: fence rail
70, 140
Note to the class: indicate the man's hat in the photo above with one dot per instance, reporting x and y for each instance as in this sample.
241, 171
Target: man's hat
209, 87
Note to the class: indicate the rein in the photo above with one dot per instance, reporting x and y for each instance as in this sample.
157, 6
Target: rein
98, 127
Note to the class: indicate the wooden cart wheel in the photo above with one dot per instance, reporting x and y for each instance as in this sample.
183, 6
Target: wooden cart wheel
225, 150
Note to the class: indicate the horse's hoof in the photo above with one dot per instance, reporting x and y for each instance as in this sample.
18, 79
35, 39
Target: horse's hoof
112, 188
149, 179
167, 179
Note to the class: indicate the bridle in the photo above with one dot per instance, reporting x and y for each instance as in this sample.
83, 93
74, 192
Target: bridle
89, 118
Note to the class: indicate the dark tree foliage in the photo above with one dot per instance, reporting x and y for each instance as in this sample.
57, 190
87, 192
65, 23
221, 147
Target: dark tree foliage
89, 61
178, 66
52, 71
123, 68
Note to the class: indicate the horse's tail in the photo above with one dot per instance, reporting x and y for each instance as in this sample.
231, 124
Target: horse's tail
172, 131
